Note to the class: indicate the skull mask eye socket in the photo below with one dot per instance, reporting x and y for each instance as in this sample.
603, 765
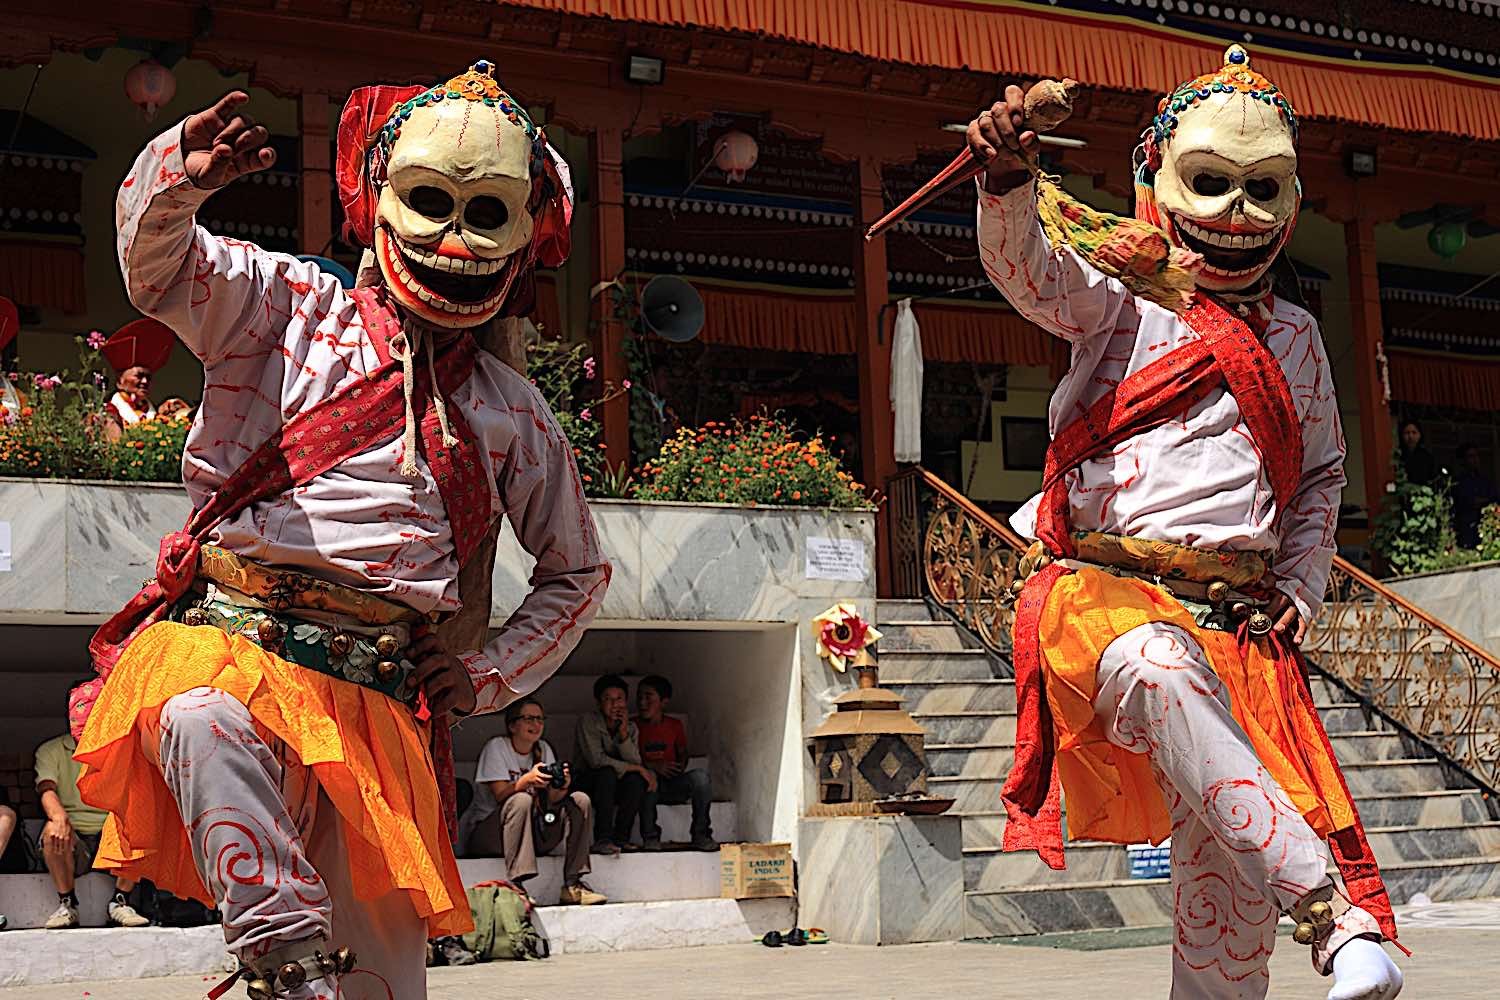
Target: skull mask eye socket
1210, 185
1262, 188
434, 203
486, 212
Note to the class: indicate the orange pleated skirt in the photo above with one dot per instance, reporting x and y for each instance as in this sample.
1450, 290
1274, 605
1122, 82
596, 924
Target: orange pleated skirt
368, 752
1110, 793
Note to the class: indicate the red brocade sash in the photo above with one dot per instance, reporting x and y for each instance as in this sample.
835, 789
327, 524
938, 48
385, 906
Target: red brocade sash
1227, 354
360, 416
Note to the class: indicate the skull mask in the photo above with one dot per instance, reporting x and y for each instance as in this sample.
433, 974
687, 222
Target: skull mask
1220, 173
470, 196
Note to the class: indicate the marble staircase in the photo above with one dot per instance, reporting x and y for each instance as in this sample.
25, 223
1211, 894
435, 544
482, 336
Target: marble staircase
1431, 832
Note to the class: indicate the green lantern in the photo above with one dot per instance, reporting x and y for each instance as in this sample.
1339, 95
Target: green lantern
1446, 239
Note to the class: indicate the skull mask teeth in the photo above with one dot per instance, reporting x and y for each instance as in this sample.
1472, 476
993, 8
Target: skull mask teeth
1227, 186
452, 221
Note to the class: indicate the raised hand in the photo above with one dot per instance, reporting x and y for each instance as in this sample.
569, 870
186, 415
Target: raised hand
999, 139
224, 143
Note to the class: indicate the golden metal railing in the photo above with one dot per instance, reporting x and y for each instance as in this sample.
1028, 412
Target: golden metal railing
1396, 659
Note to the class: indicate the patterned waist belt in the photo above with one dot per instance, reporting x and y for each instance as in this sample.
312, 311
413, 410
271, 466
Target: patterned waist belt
1220, 588
334, 630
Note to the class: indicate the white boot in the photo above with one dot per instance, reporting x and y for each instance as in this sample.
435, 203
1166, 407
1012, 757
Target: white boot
1363, 971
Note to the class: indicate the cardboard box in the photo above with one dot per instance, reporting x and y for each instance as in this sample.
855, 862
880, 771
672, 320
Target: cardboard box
755, 871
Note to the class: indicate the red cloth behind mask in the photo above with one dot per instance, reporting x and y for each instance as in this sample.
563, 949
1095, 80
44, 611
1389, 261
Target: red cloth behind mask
364, 116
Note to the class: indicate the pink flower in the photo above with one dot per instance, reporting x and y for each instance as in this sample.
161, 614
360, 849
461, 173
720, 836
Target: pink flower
626, 383
96, 340
588, 367
586, 414
98, 381
6, 417
46, 382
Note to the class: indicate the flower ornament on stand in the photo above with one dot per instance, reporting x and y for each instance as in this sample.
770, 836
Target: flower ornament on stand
843, 637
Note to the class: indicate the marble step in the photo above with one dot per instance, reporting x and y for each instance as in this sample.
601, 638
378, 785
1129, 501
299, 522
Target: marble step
624, 878
952, 760
911, 666
980, 792
1051, 908
1346, 717
1402, 775
968, 727
991, 695
1443, 807
905, 636
989, 869
900, 609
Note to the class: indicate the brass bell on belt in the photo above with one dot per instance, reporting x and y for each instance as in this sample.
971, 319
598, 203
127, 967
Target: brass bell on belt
260, 989
195, 617
387, 670
1260, 624
291, 975
1320, 913
1017, 586
1305, 933
387, 645
341, 645
1217, 592
269, 631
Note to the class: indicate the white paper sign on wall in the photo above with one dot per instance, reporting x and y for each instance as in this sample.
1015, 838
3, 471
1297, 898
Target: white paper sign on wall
836, 559
4, 546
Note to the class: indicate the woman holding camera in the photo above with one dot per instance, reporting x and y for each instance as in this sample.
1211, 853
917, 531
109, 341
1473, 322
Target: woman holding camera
523, 808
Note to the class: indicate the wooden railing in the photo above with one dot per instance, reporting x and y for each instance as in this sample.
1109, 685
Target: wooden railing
1397, 660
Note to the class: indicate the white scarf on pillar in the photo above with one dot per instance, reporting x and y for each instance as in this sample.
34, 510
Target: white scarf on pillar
906, 383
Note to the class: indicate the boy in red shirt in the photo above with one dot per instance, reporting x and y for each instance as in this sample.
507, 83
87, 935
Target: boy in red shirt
664, 749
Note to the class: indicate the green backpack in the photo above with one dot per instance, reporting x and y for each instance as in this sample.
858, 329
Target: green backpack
503, 926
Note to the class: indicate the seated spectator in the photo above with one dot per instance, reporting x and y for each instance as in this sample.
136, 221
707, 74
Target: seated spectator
12, 853
131, 402
609, 759
71, 837
664, 750
1473, 491
518, 811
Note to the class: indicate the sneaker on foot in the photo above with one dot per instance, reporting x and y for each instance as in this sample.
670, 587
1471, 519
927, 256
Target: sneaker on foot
651, 844
705, 844
65, 916
629, 846
125, 915
579, 894
608, 848
454, 953
3, 922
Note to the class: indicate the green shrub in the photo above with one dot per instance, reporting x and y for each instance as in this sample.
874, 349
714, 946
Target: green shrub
760, 462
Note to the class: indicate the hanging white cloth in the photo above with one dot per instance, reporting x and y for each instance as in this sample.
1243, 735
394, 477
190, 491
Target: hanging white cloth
906, 383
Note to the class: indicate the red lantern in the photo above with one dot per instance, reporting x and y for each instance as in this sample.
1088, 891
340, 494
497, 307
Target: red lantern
149, 85
735, 153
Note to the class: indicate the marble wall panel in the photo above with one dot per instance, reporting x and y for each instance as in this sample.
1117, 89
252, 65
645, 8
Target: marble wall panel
36, 582
1464, 599
883, 880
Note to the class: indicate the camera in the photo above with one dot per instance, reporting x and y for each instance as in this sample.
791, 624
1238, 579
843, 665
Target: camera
555, 772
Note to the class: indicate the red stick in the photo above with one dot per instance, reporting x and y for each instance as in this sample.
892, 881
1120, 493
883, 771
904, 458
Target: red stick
965, 167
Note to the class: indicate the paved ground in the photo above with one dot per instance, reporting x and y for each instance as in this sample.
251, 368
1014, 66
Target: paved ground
1457, 957
1453, 965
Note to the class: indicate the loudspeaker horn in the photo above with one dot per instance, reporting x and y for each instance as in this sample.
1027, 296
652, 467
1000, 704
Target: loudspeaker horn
672, 309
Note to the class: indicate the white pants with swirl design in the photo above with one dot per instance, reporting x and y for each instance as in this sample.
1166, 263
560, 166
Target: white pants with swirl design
271, 848
1241, 853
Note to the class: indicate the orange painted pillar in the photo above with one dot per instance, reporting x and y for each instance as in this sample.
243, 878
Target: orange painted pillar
1374, 410
315, 152
872, 345
607, 179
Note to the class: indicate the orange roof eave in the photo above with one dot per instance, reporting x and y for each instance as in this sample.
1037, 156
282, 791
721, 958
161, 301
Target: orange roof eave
1024, 40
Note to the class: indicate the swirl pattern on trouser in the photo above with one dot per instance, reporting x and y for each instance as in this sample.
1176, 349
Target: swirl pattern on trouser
228, 783
272, 849
1241, 853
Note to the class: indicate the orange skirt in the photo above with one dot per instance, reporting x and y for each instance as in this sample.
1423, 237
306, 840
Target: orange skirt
1111, 793
367, 751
